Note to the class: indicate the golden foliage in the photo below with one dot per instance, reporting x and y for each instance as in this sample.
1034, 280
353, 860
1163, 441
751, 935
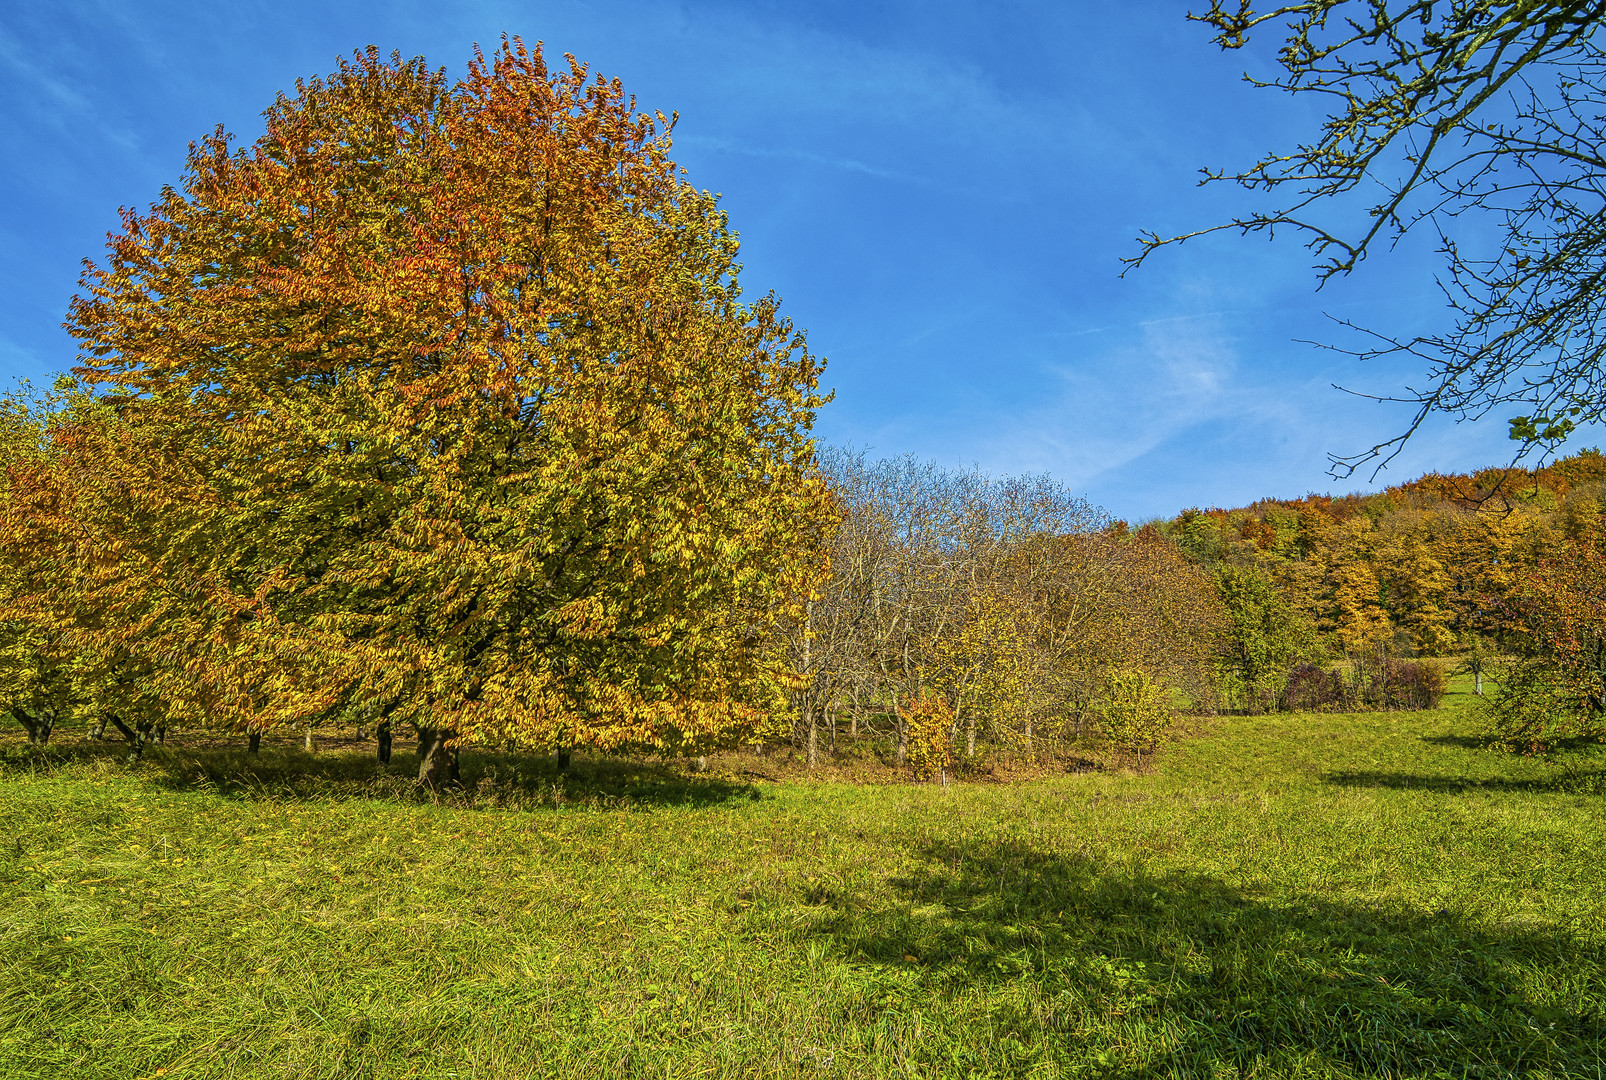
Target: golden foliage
1422, 567
929, 723
440, 404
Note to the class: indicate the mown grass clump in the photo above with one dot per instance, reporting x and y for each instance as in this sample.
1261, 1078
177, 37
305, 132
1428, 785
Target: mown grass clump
1333, 895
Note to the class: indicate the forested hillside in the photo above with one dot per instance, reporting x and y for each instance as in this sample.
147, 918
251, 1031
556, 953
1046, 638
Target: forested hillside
1421, 567
1500, 569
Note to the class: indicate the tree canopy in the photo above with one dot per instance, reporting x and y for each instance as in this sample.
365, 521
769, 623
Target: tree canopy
449, 408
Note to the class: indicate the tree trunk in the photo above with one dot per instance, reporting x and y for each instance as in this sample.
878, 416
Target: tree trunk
144, 732
437, 766
1477, 682
253, 742
98, 730
833, 733
903, 736
814, 736
307, 742
563, 758
970, 735
382, 732
38, 727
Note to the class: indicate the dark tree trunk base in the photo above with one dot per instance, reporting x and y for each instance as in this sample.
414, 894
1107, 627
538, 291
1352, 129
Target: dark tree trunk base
136, 738
38, 727
254, 742
437, 765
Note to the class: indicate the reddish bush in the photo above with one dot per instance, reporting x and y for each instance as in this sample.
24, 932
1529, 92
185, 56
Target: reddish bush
1388, 683
1377, 681
1311, 688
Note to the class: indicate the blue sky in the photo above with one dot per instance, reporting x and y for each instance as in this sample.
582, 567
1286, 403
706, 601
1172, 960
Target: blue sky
940, 193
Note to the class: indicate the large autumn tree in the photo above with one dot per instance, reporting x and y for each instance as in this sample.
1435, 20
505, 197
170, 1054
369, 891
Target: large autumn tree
489, 437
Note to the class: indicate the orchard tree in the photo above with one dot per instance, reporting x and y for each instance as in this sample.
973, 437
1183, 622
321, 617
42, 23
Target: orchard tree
34, 665
1457, 118
487, 434
116, 536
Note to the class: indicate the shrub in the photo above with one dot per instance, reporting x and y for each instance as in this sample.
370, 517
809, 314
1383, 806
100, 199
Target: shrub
928, 722
1385, 682
1375, 681
1534, 707
1136, 712
1311, 688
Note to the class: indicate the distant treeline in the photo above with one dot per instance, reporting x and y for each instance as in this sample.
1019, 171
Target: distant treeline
1444, 565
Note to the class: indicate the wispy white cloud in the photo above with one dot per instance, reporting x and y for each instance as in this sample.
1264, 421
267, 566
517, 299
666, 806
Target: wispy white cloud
18, 361
20, 66
1110, 407
40, 72
767, 85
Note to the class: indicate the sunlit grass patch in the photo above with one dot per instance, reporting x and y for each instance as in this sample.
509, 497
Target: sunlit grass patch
1285, 896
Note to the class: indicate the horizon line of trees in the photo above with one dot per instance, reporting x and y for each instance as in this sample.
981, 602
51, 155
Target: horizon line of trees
954, 613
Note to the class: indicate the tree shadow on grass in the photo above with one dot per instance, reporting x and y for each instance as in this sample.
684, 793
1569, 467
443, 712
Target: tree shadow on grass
1565, 780
1577, 745
488, 780
1134, 974
1463, 742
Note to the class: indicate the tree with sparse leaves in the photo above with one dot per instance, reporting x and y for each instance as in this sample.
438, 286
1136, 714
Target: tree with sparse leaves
1558, 690
1460, 116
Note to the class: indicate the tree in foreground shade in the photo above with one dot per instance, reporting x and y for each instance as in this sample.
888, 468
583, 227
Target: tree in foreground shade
491, 442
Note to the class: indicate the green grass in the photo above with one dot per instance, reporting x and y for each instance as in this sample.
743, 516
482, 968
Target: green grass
1288, 896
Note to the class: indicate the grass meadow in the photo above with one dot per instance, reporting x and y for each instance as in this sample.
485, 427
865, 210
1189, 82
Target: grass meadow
1283, 896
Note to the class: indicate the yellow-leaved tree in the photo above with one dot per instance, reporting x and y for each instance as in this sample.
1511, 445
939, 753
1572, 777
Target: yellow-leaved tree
38, 684
491, 441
